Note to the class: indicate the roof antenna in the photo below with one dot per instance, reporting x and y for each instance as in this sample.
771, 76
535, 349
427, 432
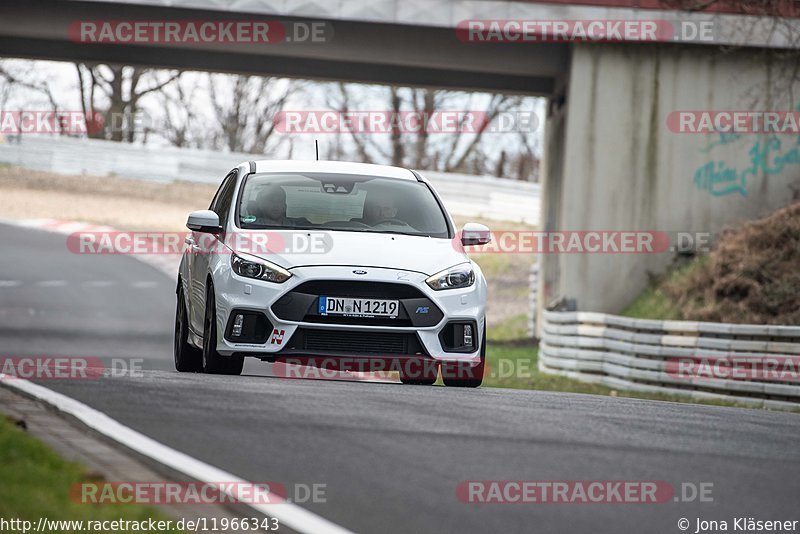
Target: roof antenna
316, 143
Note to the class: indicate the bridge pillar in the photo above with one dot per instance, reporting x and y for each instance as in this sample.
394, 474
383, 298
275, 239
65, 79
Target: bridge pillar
612, 162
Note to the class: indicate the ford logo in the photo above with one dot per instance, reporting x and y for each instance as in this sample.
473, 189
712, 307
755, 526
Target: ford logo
359, 271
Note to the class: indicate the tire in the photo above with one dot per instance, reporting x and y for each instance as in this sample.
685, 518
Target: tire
423, 375
462, 377
188, 359
213, 362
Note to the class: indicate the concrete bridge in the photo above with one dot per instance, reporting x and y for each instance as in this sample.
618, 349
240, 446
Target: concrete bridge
610, 163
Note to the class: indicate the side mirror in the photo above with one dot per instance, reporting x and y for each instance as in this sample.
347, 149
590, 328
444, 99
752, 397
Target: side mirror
205, 221
475, 234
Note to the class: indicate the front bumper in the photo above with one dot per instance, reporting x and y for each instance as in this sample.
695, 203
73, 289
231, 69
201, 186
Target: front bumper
288, 327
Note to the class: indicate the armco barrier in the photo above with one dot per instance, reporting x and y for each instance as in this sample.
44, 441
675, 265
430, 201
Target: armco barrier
533, 283
633, 354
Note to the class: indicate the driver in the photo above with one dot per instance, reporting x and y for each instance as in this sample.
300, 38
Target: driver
270, 207
378, 207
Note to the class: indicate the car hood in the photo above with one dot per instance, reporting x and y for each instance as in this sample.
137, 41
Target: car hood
301, 248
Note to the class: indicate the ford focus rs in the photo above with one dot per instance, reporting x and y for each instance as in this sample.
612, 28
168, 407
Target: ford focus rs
329, 261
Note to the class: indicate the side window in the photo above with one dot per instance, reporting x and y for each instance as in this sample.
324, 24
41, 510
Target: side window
221, 205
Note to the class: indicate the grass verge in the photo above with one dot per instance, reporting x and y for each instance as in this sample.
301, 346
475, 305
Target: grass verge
514, 365
655, 303
750, 276
35, 482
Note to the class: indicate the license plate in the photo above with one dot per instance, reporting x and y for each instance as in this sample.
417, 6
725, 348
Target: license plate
358, 307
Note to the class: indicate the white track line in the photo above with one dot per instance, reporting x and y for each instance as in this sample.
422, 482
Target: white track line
98, 283
289, 514
52, 283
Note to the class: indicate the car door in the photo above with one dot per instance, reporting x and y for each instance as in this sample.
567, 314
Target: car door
205, 248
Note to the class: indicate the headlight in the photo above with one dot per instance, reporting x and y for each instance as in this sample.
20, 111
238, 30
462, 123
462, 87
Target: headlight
260, 270
453, 278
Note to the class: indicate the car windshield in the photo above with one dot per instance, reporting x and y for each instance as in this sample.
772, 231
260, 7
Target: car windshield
347, 202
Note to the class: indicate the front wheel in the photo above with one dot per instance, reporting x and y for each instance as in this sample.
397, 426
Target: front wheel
419, 372
461, 375
213, 361
188, 359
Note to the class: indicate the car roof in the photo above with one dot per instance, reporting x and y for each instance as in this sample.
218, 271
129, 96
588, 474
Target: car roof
334, 167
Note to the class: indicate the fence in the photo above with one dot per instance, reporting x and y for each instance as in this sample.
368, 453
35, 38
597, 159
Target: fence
646, 355
470, 196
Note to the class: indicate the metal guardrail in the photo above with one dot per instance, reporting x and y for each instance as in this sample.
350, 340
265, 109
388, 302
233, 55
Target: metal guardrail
645, 355
487, 196
466, 195
533, 298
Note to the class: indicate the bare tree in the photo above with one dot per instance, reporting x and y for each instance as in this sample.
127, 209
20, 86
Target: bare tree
525, 165
182, 126
767, 20
43, 88
366, 151
245, 108
114, 92
462, 150
22, 80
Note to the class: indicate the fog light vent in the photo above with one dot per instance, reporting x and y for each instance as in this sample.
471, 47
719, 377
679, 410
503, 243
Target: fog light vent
459, 336
237, 325
246, 326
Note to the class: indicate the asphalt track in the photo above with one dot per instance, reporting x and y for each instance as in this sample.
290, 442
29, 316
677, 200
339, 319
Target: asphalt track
390, 456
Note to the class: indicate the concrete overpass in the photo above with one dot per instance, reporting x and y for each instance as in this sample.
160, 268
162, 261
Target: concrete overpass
611, 163
369, 44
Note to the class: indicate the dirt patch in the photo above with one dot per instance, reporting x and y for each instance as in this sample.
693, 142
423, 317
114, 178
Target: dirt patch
178, 193
122, 203
751, 276
120, 212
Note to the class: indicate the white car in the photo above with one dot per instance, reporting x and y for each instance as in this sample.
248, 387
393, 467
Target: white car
331, 261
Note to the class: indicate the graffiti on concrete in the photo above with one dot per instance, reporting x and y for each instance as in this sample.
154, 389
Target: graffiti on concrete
769, 156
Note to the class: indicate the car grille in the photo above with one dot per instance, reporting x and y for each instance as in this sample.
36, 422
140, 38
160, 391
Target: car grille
347, 343
344, 288
379, 343
300, 304
372, 321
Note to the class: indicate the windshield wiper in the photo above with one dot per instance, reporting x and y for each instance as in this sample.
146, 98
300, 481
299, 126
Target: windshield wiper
402, 233
332, 229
